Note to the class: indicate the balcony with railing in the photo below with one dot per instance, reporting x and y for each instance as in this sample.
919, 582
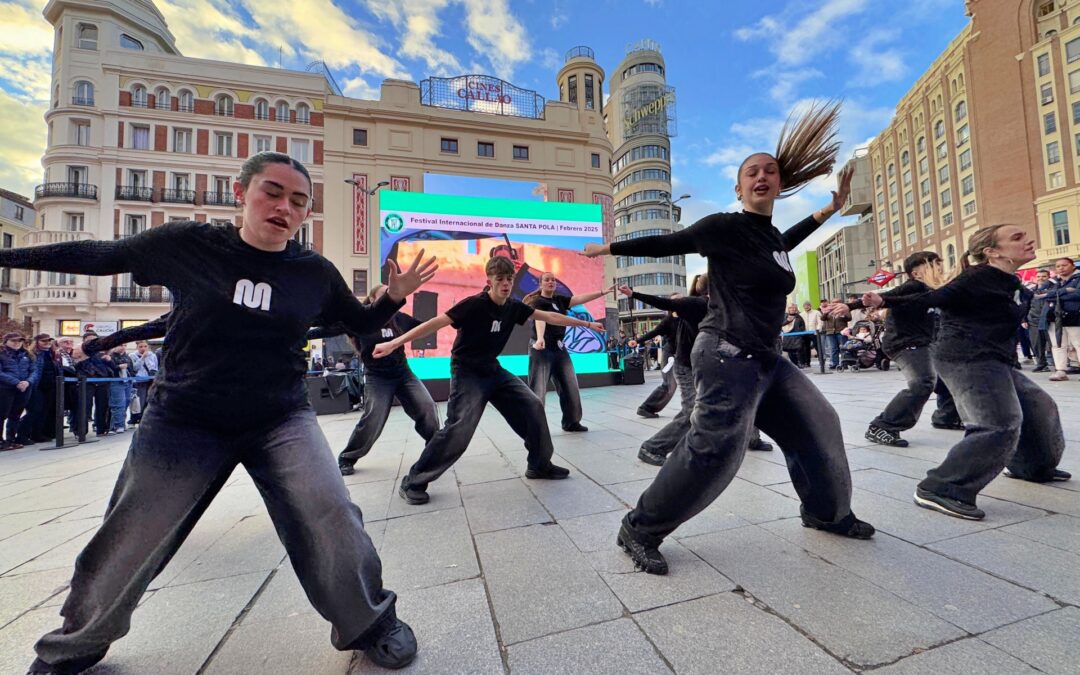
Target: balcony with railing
82, 100
77, 190
158, 294
39, 237
219, 198
135, 193
580, 53
44, 295
178, 196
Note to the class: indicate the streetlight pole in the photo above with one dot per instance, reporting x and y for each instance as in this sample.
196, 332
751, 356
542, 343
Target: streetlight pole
671, 205
370, 193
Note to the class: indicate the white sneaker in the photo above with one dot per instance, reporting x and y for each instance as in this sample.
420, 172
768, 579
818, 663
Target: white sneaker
1059, 376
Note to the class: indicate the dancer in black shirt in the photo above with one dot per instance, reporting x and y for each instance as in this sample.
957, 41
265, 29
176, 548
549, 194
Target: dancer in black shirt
484, 323
548, 357
667, 330
210, 412
740, 377
909, 332
1012, 423
384, 379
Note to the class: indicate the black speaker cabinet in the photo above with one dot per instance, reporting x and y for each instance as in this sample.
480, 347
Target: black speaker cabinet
425, 306
329, 395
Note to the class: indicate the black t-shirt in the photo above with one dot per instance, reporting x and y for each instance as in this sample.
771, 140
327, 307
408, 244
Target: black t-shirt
483, 329
393, 363
235, 360
559, 304
691, 310
906, 326
980, 312
750, 274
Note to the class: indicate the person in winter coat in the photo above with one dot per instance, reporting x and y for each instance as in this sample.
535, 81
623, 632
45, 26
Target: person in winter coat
97, 393
794, 346
19, 373
1036, 323
120, 392
39, 423
1064, 304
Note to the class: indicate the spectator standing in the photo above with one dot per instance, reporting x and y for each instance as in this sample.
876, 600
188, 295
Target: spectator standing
39, 424
145, 364
1065, 306
18, 374
1036, 323
832, 328
794, 346
97, 393
120, 392
812, 319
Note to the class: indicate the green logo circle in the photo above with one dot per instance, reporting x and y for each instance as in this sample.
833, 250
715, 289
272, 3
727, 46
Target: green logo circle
394, 223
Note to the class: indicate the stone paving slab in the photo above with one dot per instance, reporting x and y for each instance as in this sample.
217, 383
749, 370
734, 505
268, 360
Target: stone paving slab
823, 600
612, 648
726, 633
560, 597
540, 584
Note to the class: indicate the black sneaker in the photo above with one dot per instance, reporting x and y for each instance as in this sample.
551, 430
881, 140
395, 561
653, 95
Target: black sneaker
848, 526
759, 445
39, 667
949, 426
885, 437
395, 649
1058, 476
550, 472
412, 495
646, 558
576, 427
346, 469
1040, 369
654, 458
642, 412
947, 505
1073, 370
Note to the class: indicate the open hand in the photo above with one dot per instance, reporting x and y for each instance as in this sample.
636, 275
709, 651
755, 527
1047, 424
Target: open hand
843, 187
837, 310
400, 285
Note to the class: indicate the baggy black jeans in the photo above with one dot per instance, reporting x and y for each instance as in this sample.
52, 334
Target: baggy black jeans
903, 411
470, 392
1010, 422
554, 363
379, 392
735, 392
171, 474
662, 395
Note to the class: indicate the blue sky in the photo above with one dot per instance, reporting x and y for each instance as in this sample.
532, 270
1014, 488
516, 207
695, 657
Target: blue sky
738, 71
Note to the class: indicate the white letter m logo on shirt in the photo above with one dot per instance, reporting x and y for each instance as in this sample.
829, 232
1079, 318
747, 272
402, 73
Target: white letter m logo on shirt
252, 295
496, 326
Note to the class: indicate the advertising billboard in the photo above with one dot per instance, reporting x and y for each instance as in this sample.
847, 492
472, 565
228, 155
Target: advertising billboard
463, 233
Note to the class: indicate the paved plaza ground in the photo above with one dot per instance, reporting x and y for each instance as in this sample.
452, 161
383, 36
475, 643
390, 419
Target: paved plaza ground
501, 574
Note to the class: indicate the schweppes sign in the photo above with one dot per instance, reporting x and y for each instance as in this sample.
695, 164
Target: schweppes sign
651, 108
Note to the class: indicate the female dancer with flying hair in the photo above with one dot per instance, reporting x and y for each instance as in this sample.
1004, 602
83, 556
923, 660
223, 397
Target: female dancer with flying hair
1010, 420
740, 378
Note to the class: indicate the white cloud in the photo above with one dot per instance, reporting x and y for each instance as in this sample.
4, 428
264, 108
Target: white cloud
875, 60
493, 31
22, 144
420, 25
786, 82
654, 3
549, 58
211, 29
25, 32
795, 41
358, 87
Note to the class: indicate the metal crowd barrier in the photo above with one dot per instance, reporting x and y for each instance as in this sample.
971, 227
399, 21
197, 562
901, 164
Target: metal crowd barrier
81, 422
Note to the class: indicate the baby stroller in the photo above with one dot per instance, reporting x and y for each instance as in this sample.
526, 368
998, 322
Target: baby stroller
860, 352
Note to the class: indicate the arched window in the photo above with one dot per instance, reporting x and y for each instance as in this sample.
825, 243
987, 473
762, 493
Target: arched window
282, 109
223, 105
162, 98
84, 93
904, 158
86, 36
920, 145
262, 109
1050, 34
186, 101
950, 255
892, 170
961, 110
939, 129
303, 113
128, 42
138, 96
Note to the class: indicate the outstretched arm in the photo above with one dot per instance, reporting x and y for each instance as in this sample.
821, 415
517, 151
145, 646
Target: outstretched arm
582, 298
540, 326
147, 331
422, 331
557, 319
95, 258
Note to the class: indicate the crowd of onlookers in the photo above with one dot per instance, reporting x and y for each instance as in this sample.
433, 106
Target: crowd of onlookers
28, 386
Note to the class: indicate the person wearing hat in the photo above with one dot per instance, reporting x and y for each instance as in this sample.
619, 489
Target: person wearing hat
18, 374
96, 365
39, 423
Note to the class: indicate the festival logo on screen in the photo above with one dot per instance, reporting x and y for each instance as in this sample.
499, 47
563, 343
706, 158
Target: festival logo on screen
394, 223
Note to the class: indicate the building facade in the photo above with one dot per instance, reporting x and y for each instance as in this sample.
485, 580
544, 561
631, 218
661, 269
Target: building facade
640, 123
446, 126
140, 135
990, 133
16, 221
846, 259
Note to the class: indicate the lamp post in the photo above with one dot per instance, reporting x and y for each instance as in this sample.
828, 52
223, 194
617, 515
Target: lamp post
371, 193
671, 205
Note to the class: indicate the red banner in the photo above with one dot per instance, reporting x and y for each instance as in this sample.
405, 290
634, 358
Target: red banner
360, 224
881, 277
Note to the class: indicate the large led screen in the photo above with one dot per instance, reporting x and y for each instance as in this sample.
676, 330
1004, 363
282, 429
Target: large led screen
463, 233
